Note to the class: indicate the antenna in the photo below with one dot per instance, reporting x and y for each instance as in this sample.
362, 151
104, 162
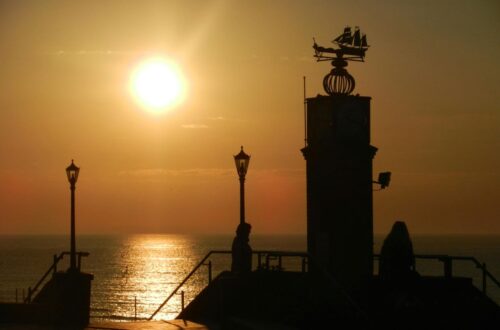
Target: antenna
305, 114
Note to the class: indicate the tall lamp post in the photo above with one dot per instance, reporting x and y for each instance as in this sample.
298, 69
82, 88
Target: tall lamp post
72, 172
242, 160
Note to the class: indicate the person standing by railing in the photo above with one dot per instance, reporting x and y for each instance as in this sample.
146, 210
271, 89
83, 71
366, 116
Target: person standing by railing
397, 261
241, 250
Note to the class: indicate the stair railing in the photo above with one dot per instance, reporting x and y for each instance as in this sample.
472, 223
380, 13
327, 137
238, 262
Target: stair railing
201, 263
448, 266
52, 269
264, 259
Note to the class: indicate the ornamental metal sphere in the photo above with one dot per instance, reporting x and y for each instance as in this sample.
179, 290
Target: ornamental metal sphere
338, 82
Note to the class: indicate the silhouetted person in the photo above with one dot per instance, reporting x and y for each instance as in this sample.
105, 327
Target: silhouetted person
397, 261
241, 250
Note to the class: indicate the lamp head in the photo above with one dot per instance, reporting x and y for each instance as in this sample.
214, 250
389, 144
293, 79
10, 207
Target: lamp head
242, 160
72, 172
384, 178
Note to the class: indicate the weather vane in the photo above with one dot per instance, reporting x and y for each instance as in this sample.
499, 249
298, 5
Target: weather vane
352, 47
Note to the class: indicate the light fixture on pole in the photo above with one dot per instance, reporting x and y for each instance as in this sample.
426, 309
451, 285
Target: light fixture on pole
384, 178
72, 173
242, 160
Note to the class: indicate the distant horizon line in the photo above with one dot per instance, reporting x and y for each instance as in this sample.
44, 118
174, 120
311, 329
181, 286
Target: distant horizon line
232, 234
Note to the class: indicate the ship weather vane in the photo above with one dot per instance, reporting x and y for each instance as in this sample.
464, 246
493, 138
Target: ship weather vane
351, 47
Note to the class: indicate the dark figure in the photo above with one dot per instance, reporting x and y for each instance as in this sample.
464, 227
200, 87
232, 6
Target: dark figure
241, 250
397, 261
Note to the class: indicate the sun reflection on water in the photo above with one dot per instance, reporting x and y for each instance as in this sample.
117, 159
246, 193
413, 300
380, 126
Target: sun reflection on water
147, 270
141, 268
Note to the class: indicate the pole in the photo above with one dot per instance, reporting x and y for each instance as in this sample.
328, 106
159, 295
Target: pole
242, 199
305, 114
73, 245
484, 278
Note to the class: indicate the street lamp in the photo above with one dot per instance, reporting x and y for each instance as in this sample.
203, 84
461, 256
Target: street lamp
242, 160
72, 172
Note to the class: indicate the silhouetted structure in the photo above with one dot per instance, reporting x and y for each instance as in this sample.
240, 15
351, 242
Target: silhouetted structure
65, 298
336, 287
241, 250
72, 172
339, 169
352, 47
339, 186
242, 160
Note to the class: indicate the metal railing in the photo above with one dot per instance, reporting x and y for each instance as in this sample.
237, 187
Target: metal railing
448, 266
201, 263
53, 269
264, 262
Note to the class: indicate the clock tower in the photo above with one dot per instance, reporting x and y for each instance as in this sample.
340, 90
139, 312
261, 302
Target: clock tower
339, 158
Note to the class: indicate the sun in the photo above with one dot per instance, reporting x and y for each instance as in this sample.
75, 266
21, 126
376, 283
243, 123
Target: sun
158, 85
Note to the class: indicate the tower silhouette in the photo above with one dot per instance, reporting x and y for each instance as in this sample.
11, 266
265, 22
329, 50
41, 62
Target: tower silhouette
339, 158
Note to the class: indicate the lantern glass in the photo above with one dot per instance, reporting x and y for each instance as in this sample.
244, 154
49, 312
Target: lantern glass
242, 160
72, 172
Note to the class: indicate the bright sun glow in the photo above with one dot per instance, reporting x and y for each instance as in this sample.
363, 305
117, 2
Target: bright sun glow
157, 85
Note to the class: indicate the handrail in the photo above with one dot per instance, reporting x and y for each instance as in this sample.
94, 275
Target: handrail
268, 254
53, 268
186, 279
447, 260
202, 262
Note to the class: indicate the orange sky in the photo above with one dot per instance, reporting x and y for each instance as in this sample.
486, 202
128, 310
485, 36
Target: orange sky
432, 73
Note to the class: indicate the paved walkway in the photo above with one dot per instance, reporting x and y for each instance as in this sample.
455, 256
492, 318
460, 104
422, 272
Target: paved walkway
142, 325
148, 325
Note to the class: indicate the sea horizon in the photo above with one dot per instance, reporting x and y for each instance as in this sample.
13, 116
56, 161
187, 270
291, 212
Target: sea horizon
145, 268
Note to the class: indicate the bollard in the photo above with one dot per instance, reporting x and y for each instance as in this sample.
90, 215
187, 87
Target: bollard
484, 278
182, 300
209, 272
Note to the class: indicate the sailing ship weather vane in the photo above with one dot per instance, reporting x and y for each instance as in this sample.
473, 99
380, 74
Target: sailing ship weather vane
351, 47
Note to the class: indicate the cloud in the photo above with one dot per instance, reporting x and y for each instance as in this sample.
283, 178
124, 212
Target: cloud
284, 171
163, 172
194, 126
221, 118
105, 52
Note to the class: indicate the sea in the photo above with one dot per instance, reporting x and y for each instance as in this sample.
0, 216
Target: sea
134, 274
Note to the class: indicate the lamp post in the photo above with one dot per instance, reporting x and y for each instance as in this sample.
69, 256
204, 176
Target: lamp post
72, 173
242, 160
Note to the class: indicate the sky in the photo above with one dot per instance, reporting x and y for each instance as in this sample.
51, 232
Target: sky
432, 72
